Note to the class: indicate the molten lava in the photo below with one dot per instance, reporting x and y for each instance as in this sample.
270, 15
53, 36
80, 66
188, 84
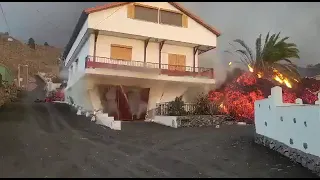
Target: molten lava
250, 68
238, 96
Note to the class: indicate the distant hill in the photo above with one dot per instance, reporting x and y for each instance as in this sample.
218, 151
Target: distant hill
42, 58
309, 71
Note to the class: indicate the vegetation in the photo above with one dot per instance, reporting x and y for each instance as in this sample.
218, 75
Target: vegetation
203, 106
272, 54
46, 44
176, 107
32, 43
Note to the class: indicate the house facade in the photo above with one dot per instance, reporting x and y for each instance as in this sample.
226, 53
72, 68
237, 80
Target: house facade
125, 57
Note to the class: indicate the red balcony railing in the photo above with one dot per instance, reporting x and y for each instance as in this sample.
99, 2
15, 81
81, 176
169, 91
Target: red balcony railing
170, 70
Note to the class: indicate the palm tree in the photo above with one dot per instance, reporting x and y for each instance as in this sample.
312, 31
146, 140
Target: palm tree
274, 55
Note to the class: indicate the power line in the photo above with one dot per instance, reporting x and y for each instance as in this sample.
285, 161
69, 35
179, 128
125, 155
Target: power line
5, 19
56, 26
108, 16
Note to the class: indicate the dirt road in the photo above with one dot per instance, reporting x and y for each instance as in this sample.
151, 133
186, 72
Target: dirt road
50, 140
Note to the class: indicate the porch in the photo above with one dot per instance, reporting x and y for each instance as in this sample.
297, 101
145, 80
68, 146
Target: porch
141, 66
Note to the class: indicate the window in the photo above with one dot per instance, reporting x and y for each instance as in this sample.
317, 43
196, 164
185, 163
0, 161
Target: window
121, 52
156, 15
142, 12
170, 18
146, 14
76, 65
177, 62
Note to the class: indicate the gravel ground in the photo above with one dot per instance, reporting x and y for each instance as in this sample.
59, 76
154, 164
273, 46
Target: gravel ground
50, 140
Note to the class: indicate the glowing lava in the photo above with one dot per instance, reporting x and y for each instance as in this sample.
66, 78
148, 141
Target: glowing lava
237, 97
250, 68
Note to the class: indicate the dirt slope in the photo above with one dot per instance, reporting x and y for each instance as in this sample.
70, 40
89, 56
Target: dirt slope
43, 58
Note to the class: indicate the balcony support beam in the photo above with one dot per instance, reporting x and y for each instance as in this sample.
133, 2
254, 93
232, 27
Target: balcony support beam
160, 48
146, 42
96, 33
195, 50
203, 51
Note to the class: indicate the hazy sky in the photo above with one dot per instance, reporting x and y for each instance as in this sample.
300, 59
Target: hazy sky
54, 22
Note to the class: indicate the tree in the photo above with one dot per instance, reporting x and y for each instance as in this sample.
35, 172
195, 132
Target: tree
6, 33
46, 44
275, 55
31, 43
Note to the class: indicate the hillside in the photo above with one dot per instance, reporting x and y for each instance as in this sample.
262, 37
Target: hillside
42, 58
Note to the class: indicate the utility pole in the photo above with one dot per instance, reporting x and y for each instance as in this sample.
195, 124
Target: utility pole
19, 75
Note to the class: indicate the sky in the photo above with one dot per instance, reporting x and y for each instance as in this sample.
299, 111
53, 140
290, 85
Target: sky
53, 22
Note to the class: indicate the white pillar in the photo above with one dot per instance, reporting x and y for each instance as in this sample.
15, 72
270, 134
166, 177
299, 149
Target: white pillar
299, 101
276, 95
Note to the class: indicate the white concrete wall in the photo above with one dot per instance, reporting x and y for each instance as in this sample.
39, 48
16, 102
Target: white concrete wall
170, 121
77, 41
116, 20
104, 48
275, 119
79, 91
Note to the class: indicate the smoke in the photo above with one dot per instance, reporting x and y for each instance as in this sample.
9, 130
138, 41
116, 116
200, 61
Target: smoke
64, 73
246, 20
212, 60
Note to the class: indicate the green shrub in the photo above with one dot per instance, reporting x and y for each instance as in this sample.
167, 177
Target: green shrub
176, 107
203, 106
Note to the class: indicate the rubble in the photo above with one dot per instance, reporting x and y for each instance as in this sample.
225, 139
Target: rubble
204, 120
8, 93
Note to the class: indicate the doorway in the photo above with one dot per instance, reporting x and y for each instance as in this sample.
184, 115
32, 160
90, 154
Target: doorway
125, 103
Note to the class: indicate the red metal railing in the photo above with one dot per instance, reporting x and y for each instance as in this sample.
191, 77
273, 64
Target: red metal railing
171, 70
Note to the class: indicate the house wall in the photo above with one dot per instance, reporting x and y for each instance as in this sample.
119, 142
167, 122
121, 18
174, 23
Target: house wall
104, 42
116, 20
77, 41
160, 91
79, 70
282, 122
80, 94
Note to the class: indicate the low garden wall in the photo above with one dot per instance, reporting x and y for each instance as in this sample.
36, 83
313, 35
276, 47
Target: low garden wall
193, 120
290, 129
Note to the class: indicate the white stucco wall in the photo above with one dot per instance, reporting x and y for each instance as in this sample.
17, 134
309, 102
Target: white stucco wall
115, 20
77, 41
275, 119
79, 92
104, 47
79, 70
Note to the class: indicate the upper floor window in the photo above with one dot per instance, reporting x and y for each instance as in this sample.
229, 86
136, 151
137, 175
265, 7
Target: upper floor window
146, 13
157, 15
170, 18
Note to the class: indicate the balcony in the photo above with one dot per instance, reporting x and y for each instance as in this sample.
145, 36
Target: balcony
165, 69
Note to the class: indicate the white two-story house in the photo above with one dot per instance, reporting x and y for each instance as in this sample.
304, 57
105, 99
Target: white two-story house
125, 57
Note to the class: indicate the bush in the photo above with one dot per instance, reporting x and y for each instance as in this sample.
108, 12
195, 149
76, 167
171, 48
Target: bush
32, 43
176, 107
203, 106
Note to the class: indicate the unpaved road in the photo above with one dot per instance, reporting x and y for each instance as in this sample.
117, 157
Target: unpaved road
50, 140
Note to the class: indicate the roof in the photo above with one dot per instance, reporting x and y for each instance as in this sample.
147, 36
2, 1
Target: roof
86, 12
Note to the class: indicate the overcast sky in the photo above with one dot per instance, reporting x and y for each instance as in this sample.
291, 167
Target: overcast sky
54, 22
